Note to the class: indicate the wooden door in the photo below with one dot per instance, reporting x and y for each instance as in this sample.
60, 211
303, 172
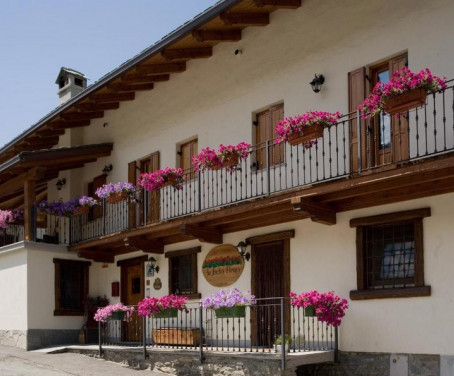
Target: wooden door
132, 292
270, 279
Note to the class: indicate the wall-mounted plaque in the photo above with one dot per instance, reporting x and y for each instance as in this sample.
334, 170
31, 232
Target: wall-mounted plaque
223, 265
157, 284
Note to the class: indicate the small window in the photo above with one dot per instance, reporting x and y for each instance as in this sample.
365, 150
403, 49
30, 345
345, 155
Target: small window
78, 82
71, 287
183, 272
390, 256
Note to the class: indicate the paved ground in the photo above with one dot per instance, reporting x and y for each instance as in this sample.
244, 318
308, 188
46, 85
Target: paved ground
18, 362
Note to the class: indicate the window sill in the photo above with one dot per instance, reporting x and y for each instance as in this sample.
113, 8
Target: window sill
405, 292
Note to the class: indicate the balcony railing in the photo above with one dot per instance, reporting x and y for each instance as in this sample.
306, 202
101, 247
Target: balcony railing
351, 147
201, 330
272, 168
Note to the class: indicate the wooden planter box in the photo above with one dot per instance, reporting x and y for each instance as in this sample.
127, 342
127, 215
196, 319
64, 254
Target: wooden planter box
230, 161
405, 101
310, 133
117, 197
174, 336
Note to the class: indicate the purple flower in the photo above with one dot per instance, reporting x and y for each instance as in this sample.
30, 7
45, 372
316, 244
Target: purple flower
113, 188
228, 298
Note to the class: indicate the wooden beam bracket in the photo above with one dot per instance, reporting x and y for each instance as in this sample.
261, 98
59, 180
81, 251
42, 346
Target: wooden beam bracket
317, 211
145, 245
206, 235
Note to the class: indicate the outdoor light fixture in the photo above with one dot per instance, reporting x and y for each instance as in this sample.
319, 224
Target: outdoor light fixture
106, 170
60, 183
317, 83
152, 267
241, 246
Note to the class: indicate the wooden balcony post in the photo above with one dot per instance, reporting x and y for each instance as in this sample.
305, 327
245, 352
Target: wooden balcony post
29, 201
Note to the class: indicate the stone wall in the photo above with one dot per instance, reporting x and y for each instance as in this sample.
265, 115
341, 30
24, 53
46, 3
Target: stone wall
17, 338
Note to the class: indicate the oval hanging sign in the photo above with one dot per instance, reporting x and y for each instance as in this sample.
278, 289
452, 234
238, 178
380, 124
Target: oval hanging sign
223, 265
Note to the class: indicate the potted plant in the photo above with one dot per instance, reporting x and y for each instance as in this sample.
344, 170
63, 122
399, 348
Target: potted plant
114, 312
327, 306
85, 203
226, 156
278, 343
115, 192
6, 216
306, 128
164, 307
154, 181
58, 208
404, 91
229, 303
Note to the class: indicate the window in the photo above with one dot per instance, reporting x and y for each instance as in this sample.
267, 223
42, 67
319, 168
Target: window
187, 151
183, 272
390, 255
264, 131
78, 82
71, 287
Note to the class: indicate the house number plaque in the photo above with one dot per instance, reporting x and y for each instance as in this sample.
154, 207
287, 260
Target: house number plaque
223, 265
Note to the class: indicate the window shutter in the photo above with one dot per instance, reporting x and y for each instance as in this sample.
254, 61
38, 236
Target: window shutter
132, 178
356, 95
153, 214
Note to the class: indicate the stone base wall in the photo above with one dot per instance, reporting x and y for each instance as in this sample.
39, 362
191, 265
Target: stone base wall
15, 338
39, 338
377, 364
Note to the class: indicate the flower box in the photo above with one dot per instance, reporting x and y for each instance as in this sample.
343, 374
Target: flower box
174, 336
117, 315
230, 312
81, 210
169, 180
229, 161
310, 133
405, 101
309, 311
115, 198
166, 313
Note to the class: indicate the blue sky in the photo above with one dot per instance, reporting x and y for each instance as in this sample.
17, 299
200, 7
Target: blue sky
37, 37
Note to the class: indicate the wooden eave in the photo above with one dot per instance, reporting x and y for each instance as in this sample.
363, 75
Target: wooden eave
320, 203
157, 64
44, 165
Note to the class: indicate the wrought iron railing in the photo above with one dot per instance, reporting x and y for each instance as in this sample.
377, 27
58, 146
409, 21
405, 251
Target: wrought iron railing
202, 330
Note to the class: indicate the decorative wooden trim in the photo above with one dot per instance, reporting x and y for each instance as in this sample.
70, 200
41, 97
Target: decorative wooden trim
183, 252
289, 4
217, 35
187, 53
246, 19
207, 235
282, 235
407, 292
360, 275
132, 261
391, 217
317, 211
162, 68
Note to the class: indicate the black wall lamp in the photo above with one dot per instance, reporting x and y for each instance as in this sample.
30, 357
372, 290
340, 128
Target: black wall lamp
317, 83
60, 183
106, 170
241, 246
152, 267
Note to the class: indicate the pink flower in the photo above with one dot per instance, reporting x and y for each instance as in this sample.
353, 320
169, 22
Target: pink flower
153, 181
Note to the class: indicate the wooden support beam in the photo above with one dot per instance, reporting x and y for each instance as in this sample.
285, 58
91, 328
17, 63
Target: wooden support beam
217, 35
177, 67
187, 53
82, 115
245, 19
29, 201
143, 79
96, 255
289, 4
114, 97
122, 87
35, 141
89, 106
145, 245
62, 124
18, 182
317, 211
207, 235
50, 132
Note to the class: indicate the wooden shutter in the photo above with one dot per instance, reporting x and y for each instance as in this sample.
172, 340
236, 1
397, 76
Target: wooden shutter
399, 125
263, 119
153, 214
266, 121
277, 150
187, 151
356, 95
132, 178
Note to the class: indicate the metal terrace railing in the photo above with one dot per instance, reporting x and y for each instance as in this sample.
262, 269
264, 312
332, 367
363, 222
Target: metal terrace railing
350, 148
203, 331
